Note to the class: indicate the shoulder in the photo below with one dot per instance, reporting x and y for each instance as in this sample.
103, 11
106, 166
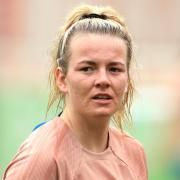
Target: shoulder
45, 137
122, 138
130, 150
36, 156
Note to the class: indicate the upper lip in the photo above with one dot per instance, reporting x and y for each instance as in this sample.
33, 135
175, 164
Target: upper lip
102, 94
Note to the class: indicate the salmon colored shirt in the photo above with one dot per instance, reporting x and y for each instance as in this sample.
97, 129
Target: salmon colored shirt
52, 152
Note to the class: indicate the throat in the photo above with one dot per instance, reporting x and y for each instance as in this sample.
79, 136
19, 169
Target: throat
91, 135
96, 144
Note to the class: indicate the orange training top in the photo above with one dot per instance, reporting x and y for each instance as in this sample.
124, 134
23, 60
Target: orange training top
52, 152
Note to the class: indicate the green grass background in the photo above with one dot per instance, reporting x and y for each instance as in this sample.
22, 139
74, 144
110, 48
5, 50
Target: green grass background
23, 107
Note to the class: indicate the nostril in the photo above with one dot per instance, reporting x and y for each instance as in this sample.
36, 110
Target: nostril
102, 80
102, 84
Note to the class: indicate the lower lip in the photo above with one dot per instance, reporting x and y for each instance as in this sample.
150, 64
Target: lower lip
102, 101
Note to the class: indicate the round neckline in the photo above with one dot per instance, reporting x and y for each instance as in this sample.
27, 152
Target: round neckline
76, 142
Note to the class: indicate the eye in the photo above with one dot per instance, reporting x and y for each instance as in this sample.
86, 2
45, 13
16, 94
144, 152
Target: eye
115, 69
87, 69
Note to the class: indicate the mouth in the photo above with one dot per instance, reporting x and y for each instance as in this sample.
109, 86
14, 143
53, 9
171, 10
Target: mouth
102, 97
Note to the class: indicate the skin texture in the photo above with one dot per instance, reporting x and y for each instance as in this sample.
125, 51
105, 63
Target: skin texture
97, 66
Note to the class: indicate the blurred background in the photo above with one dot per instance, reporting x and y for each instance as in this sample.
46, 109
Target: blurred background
27, 29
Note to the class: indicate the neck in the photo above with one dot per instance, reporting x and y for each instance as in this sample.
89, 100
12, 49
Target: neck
91, 132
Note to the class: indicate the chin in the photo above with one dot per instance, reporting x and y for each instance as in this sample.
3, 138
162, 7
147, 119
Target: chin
104, 113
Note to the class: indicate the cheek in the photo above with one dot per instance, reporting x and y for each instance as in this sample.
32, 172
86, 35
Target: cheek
76, 88
121, 87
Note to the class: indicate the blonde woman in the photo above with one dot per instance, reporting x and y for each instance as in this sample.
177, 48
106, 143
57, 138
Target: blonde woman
90, 73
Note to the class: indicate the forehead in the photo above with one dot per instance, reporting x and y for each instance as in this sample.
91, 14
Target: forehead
92, 44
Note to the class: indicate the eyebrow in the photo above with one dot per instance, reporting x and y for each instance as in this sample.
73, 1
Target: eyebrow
117, 63
91, 62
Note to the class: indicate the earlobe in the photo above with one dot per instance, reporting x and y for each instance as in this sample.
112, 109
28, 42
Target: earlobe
61, 80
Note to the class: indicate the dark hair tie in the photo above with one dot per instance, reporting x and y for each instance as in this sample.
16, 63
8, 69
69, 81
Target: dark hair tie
93, 15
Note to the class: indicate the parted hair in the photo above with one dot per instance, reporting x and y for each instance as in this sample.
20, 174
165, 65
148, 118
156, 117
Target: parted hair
90, 19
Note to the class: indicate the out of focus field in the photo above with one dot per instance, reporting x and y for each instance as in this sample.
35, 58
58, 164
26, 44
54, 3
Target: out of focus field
27, 29
22, 108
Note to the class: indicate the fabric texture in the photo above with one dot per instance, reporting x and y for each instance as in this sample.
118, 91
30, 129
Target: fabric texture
52, 152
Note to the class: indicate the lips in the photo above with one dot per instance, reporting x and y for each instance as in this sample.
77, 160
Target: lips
102, 97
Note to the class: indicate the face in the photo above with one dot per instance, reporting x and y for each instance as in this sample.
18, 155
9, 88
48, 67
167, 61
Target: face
97, 77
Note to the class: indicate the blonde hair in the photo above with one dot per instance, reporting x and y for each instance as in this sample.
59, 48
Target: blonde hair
90, 19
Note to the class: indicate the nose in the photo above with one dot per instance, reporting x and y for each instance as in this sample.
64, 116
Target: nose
102, 79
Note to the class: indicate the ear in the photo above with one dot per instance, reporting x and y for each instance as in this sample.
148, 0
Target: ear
61, 80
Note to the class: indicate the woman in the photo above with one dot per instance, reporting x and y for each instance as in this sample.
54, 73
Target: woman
90, 72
